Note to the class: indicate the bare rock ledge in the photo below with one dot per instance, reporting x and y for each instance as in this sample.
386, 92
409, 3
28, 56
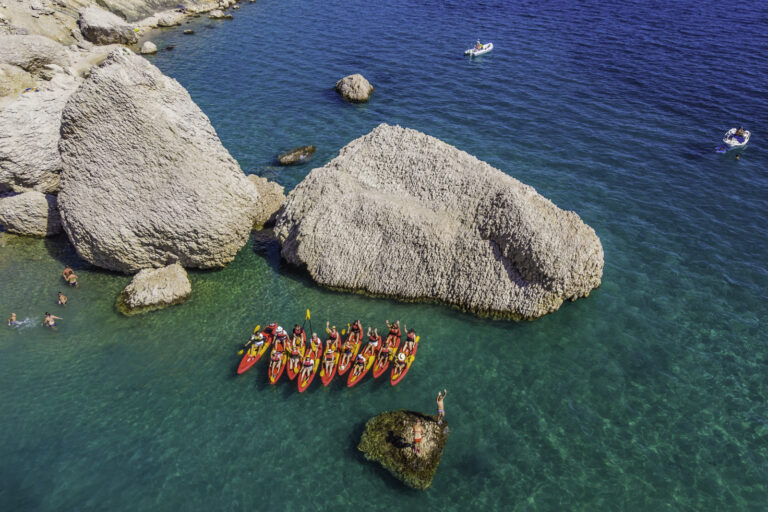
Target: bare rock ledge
153, 289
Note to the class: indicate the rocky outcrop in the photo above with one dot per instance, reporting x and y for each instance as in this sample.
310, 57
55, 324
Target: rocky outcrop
354, 88
431, 222
31, 213
31, 53
271, 198
297, 156
29, 139
219, 15
146, 181
102, 27
153, 289
388, 440
148, 48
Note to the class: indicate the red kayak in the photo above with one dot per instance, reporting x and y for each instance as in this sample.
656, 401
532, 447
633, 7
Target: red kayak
355, 348
278, 351
398, 372
292, 371
327, 377
382, 362
252, 355
315, 356
370, 356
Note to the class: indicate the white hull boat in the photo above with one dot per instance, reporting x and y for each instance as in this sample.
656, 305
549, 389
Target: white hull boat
733, 141
474, 52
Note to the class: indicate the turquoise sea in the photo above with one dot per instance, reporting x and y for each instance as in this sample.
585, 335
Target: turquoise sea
651, 394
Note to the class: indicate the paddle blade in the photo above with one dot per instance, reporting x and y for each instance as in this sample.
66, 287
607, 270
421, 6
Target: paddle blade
307, 317
256, 329
342, 332
240, 352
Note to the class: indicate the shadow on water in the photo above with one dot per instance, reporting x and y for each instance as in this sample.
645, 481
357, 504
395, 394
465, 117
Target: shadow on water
60, 249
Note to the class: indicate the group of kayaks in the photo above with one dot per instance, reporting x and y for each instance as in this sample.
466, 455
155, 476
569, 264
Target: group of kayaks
301, 359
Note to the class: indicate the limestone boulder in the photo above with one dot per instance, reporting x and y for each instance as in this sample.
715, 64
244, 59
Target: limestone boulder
354, 88
31, 213
155, 288
219, 15
103, 27
146, 181
148, 48
431, 222
271, 198
31, 52
29, 139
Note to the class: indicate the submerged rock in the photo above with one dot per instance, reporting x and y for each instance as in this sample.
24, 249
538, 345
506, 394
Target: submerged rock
155, 288
388, 440
148, 48
102, 27
271, 198
31, 213
298, 155
354, 88
431, 222
146, 181
189, 31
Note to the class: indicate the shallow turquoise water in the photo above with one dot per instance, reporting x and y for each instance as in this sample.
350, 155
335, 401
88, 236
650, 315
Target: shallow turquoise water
649, 395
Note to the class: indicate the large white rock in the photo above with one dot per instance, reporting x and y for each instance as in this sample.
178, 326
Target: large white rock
271, 198
155, 288
354, 88
31, 52
148, 48
102, 27
402, 214
31, 213
146, 181
29, 139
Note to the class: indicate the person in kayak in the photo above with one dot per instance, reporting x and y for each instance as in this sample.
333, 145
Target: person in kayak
276, 360
373, 340
295, 354
333, 334
441, 406
12, 321
410, 339
314, 342
346, 352
394, 330
50, 320
298, 331
418, 435
357, 329
281, 337
62, 299
359, 365
306, 368
384, 353
399, 363
330, 357
255, 342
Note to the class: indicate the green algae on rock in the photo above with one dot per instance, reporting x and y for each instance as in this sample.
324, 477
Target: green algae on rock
388, 440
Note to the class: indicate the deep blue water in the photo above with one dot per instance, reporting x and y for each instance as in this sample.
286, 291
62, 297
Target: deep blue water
648, 395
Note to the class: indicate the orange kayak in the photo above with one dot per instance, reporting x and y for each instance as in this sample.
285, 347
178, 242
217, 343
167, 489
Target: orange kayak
253, 354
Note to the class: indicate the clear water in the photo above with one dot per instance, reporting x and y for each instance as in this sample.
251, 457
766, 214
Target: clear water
649, 395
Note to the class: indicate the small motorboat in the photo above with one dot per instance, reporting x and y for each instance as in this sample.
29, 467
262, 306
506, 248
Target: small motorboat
479, 49
733, 141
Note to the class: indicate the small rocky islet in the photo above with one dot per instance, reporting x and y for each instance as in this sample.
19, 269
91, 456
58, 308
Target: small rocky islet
166, 192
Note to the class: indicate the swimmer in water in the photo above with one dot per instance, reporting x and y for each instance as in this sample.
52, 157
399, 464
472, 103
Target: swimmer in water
12, 321
62, 299
50, 320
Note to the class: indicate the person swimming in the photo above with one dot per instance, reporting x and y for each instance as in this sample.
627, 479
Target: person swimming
50, 320
12, 321
62, 299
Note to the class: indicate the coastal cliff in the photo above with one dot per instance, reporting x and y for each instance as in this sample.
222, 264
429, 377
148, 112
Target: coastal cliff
401, 214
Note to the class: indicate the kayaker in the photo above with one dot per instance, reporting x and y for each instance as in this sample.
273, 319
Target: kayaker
394, 329
295, 354
357, 329
314, 342
373, 341
276, 360
399, 362
384, 352
306, 367
330, 357
281, 337
418, 434
359, 365
410, 339
346, 354
441, 406
255, 342
333, 334
12, 321
50, 320
298, 331
62, 299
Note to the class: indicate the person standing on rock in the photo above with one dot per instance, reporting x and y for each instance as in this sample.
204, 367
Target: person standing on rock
441, 406
418, 434
62, 299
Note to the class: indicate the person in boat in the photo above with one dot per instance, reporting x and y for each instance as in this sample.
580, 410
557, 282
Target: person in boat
298, 331
281, 337
739, 132
400, 362
330, 358
478, 45
306, 367
346, 352
276, 360
333, 334
314, 342
295, 354
441, 406
418, 435
386, 349
62, 299
410, 339
255, 342
50, 320
394, 331
357, 329
12, 321
373, 340
359, 365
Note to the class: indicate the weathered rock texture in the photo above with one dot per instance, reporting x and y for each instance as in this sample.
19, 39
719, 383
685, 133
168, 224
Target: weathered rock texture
103, 27
297, 156
271, 198
401, 214
146, 181
31, 213
148, 48
153, 289
29, 140
31, 52
388, 440
354, 88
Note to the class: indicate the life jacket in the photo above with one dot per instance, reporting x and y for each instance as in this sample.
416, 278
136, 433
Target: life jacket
411, 336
